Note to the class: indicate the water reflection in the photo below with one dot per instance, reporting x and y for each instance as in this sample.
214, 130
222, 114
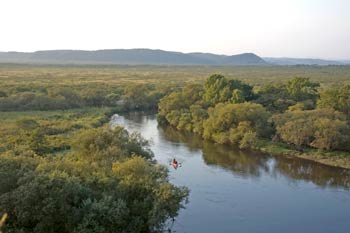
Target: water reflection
321, 175
253, 164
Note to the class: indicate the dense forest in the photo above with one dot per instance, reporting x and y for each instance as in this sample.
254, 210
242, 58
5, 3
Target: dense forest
228, 111
63, 168
105, 181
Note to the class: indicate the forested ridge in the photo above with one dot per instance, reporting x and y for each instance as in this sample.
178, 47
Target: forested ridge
130, 56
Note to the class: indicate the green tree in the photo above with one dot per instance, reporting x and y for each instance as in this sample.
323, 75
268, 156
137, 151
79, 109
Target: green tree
244, 135
217, 89
199, 115
157, 199
185, 122
330, 134
229, 122
107, 145
298, 132
275, 98
135, 96
302, 89
237, 96
175, 107
320, 128
338, 99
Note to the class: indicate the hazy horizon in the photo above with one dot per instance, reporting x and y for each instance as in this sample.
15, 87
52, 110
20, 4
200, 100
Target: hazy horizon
316, 29
320, 58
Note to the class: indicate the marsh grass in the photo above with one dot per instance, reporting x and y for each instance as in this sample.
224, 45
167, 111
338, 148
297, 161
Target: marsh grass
58, 127
15, 74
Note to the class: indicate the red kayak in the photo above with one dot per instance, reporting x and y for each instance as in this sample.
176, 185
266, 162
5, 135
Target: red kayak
175, 165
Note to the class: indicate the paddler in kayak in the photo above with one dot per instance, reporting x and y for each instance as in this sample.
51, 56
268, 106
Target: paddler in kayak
175, 163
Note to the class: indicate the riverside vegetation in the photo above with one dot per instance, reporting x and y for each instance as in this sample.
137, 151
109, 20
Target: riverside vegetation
63, 169
292, 118
63, 172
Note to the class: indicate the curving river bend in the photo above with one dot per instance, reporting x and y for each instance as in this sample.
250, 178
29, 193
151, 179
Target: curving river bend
239, 191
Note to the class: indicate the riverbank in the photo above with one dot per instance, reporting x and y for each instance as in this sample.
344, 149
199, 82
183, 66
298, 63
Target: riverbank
339, 159
335, 158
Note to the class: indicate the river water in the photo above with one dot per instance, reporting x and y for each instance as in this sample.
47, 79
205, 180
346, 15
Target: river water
241, 191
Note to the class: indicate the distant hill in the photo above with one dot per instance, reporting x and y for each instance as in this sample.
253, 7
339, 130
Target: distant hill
130, 56
301, 61
345, 62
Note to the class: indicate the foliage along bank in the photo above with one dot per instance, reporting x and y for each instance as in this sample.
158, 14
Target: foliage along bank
106, 182
293, 115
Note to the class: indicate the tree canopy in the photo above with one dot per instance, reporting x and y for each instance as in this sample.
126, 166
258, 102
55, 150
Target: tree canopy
108, 183
218, 89
302, 89
337, 99
229, 112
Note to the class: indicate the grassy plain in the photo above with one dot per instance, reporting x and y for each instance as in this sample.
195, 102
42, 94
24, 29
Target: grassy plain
59, 127
17, 74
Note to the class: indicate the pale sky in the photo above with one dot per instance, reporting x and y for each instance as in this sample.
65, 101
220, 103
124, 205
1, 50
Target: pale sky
276, 28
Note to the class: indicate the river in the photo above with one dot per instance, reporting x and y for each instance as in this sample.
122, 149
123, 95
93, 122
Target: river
240, 191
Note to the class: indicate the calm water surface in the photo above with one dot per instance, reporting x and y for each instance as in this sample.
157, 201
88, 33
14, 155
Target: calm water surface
240, 191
